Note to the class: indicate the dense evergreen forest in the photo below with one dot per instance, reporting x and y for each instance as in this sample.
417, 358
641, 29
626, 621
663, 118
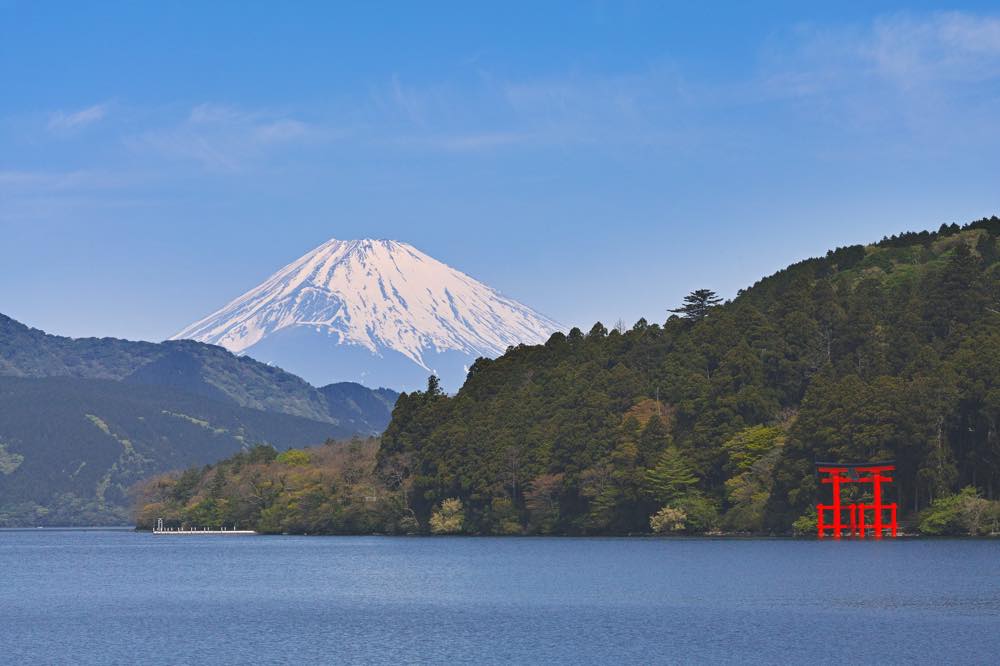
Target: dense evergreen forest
890, 351
710, 421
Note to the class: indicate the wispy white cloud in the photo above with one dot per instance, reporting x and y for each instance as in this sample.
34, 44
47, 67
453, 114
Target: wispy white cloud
931, 76
57, 181
227, 138
415, 104
492, 113
934, 74
580, 98
69, 121
459, 142
948, 47
901, 49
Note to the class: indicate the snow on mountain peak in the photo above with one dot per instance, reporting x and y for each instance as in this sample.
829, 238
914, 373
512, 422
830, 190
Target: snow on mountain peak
379, 295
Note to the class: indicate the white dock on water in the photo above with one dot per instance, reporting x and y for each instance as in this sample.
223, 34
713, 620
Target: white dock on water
161, 530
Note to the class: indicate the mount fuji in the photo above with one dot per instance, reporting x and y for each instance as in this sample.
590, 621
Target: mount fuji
378, 312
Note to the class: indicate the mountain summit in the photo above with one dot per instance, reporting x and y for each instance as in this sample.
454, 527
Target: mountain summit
376, 311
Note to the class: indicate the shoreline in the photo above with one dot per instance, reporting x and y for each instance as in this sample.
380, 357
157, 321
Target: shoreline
687, 537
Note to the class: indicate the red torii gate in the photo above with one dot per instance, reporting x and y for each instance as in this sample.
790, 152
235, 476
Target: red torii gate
837, 474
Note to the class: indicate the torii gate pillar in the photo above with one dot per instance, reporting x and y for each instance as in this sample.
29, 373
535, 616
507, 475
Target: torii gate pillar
857, 523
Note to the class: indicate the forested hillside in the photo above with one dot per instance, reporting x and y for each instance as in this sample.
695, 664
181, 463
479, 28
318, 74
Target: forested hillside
714, 418
81, 420
192, 367
327, 489
71, 448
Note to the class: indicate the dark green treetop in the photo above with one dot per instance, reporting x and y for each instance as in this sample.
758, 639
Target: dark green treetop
697, 304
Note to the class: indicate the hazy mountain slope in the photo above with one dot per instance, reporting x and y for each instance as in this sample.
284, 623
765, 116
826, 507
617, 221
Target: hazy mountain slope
70, 448
197, 368
30, 352
374, 303
359, 405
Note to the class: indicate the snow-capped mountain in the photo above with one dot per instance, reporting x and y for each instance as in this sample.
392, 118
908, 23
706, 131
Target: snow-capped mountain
376, 311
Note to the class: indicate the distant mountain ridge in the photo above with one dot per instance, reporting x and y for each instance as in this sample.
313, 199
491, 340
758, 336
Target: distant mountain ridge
71, 448
83, 419
197, 368
379, 310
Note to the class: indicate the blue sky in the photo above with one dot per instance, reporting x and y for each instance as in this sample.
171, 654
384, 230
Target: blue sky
596, 161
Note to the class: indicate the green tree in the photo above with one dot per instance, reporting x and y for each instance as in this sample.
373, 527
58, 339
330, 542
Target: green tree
542, 501
753, 454
962, 513
697, 304
449, 518
957, 295
654, 438
670, 478
293, 458
751, 444
668, 519
218, 487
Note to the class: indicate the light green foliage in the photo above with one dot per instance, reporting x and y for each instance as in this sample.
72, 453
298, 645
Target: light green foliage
9, 461
750, 444
667, 520
753, 454
449, 517
328, 489
293, 458
805, 525
701, 511
201, 423
127, 469
964, 513
129, 455
101, 425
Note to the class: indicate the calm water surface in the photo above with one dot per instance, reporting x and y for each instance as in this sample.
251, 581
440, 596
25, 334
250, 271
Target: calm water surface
122, 597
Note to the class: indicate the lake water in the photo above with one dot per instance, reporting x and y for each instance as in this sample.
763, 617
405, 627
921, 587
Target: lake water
104, 596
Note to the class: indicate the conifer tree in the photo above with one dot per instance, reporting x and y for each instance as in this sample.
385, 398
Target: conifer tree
671, 478
697, 304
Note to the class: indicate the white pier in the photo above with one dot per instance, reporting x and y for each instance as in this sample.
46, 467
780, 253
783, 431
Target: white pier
205, 531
